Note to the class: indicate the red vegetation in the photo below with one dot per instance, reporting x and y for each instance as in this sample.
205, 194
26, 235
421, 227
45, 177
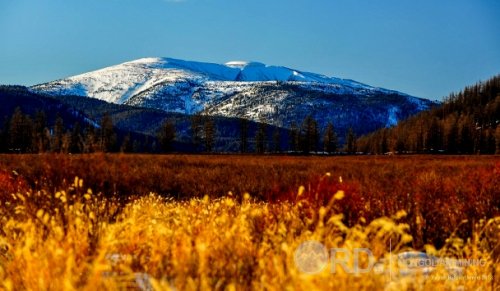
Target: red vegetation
11, 183
437, 192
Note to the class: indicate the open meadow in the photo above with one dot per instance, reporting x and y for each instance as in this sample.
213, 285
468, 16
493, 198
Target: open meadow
237, 222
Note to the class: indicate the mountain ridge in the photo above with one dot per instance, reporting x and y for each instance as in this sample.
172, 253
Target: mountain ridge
276, 95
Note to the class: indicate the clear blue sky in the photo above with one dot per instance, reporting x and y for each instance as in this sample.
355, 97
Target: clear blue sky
426, 48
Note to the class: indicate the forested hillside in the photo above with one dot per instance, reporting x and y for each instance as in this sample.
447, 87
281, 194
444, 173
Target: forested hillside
38, 123
466, 123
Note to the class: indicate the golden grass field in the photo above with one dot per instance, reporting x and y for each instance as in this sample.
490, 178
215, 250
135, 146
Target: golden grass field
145, 222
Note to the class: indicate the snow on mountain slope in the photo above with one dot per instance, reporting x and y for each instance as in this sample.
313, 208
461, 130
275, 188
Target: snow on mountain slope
275, 94
118, 83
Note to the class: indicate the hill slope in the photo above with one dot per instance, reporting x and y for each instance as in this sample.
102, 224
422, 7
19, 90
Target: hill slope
467, 122
141, 124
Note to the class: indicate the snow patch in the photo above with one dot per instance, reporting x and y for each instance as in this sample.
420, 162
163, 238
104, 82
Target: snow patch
392, 118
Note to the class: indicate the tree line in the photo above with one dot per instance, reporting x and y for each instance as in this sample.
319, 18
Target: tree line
23, 133
466, 123
305, 138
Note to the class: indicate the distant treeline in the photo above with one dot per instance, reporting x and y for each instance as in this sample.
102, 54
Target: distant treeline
466, 123
36, 123
24, 133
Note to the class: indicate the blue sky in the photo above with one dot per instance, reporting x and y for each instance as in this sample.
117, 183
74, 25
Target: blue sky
424, 48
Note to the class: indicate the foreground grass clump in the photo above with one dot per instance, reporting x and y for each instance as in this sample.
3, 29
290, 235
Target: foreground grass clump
76, 239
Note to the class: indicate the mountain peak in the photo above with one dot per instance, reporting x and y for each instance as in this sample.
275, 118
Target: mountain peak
155, 76
241, 89
244, 64
240, 71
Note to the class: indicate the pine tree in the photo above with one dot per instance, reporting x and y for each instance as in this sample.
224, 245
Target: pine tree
465, 137
401, 139
126, 146
57, 135
490, 139
276, 140
260, 138
196, 128
16, 130
243, 135
314, 136
309, 136
451, 135
294, 137
66, 142
76, 140
209, 133
18, 133
478, 138
434, 135
107, 140
90, 140
330, 139
351, 141
41, 142
166, 136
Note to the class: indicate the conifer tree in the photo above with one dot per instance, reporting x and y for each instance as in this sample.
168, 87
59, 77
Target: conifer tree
196, 130
166, 136
276, 140
330, 139
243, 135
76, 139
57, 135
350, 141
209, 133
107, 140
294, 137
260, 138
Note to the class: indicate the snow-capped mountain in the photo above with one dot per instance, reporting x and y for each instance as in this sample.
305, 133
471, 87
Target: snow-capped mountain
274, 94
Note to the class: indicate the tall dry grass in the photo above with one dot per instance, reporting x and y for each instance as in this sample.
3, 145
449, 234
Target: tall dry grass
57, 234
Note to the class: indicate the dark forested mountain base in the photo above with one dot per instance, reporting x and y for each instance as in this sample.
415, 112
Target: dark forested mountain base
38, 123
